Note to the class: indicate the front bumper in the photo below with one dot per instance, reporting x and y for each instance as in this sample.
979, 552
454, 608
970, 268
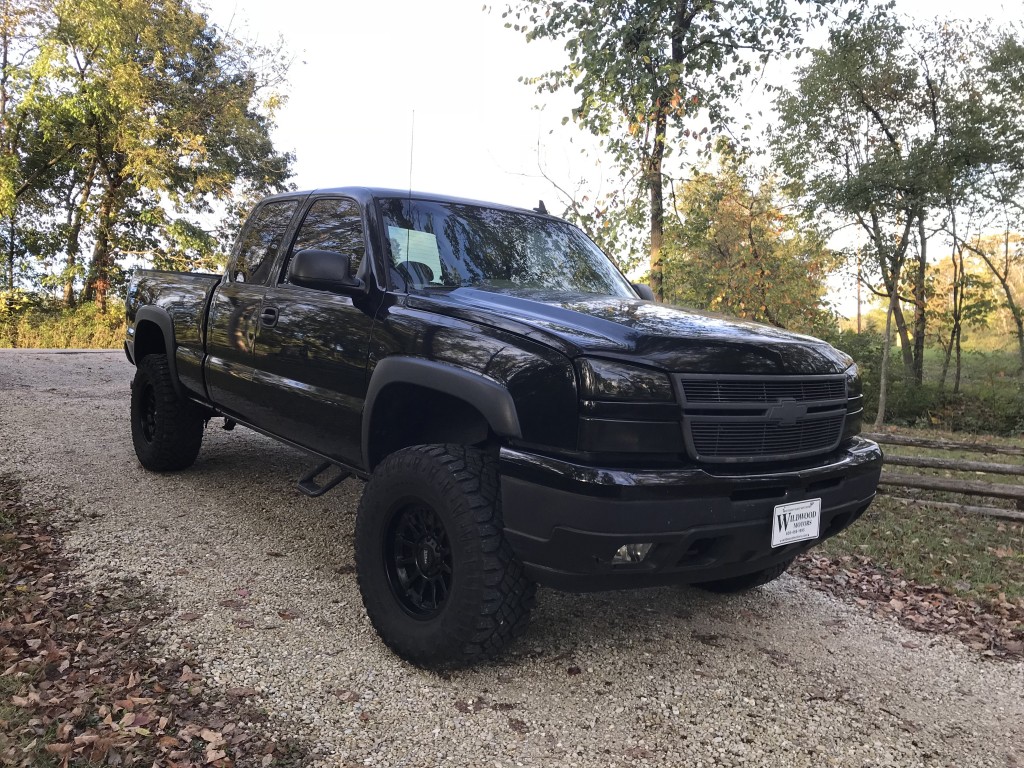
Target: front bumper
565, 521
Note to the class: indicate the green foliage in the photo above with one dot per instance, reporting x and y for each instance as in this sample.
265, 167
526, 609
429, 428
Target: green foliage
733, 248
27, 320
851, 135
131, 117
652, 75
896, 130
866, 350
990, 401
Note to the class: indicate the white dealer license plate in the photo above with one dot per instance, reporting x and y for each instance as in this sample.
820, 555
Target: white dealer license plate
798, 521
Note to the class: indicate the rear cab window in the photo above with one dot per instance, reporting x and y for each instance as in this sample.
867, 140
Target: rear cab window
260, 242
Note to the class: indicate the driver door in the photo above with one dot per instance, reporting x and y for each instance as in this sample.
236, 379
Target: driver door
312, 345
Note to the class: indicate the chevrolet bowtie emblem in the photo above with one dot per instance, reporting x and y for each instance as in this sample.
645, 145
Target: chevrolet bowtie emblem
787, 412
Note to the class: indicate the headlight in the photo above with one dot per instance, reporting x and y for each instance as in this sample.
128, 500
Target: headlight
607, 380
853, 384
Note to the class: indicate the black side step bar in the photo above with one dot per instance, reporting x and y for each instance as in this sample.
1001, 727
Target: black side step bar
308, 483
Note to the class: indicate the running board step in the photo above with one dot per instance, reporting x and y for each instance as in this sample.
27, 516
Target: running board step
308, 483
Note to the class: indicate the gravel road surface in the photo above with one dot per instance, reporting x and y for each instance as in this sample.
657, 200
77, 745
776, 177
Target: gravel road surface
261, 582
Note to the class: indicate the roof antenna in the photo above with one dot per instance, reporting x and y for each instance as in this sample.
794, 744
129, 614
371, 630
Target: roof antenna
541, 209
408, 211
412, 145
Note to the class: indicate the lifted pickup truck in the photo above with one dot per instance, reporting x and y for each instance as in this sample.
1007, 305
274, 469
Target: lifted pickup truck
521, 413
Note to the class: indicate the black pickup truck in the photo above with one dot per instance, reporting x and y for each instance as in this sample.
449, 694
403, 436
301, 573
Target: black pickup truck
521, 412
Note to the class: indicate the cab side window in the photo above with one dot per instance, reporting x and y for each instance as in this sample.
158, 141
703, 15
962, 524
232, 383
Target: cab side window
261, 241
331, 224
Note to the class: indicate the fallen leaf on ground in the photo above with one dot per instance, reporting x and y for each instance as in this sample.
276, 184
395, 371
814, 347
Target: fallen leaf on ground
995, 628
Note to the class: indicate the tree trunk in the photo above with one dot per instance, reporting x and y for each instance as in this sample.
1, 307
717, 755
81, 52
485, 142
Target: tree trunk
884, 373
906, 348
73, 245
1019, 322
958, 368
947, 352
890, 264
959, 289
654, 179
12, 232
98, 281
892, 282
920, 303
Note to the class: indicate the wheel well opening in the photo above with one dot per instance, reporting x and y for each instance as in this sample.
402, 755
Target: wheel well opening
149, 340
407, 414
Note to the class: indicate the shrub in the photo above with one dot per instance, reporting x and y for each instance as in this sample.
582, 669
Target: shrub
36, 324
990, 399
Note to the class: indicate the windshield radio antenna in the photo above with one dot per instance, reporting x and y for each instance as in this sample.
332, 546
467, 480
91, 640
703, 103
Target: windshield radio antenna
412, 146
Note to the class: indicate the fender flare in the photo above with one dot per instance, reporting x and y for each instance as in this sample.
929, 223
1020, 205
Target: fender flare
485, 394
162, 319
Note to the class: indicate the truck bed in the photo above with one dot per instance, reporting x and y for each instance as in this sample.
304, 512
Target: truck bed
185, 297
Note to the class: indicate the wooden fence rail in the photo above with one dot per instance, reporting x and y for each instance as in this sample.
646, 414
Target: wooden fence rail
943, 445
955, 465
891, 482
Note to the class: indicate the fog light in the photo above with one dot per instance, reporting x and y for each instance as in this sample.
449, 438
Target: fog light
631, 553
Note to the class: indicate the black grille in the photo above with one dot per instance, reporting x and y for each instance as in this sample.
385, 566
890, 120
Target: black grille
762, 391
765, 440
752, 418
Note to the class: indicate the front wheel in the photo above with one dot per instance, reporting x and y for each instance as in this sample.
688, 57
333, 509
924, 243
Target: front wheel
746, 581
440, 583
167, 430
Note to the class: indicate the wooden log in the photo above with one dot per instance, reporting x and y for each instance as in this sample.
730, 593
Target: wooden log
954, 485
943, 445
1005, 514
955, 465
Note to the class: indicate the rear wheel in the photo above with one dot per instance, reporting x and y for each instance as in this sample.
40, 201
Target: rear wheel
747, 580
439, 582
167, 430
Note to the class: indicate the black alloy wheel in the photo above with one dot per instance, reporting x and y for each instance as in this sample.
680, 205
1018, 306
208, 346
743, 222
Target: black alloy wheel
418, 558
147, 413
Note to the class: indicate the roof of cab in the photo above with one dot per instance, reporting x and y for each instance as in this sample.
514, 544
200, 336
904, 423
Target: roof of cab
365, 194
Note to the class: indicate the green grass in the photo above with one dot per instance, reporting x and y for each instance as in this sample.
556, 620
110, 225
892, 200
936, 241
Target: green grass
973, 556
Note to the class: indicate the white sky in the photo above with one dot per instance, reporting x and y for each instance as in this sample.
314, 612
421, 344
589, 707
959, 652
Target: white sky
362, 69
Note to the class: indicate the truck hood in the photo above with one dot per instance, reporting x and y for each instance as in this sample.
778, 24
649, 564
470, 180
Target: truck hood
670, 338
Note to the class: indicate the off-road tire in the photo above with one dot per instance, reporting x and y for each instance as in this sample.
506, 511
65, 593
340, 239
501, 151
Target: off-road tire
746, 581
167, 430
488, 602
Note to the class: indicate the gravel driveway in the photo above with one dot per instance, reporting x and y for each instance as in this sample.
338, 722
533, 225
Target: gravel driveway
264, 595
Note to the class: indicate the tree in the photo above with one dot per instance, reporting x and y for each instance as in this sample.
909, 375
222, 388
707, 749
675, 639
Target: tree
153, 111
648, 73
958, 296
20, 145
892, 129
993, 127
855, 139
733, 248
1004, 256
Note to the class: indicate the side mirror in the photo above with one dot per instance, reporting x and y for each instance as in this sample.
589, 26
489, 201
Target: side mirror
644, 291
323, 270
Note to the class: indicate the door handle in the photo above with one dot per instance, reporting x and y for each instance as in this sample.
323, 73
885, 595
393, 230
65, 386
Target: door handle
268, 316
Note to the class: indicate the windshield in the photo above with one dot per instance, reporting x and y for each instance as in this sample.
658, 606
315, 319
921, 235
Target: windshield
453, 245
